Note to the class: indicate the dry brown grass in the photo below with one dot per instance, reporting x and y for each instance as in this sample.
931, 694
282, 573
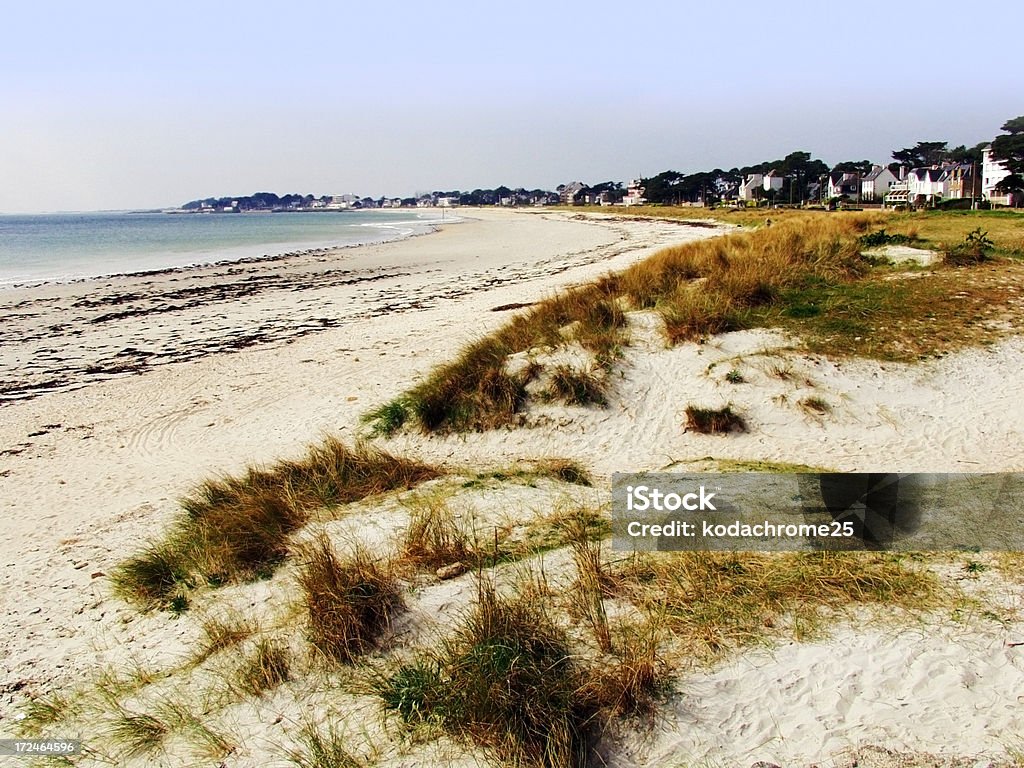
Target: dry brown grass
592, 582
348, 602
238, 528
266, 668
434, 537
710, 421
804, 273
714, 602
474, 392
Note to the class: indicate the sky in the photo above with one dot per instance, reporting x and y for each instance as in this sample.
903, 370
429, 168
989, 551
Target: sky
108, 105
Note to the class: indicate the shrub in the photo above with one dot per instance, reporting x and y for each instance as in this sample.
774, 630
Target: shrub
506, 681
714, 420
975, 249
349, 603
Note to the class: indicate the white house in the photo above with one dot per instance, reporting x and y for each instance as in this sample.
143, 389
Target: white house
843, 184
876, 183
992, 172
634, 193
926, 184
750, 183
773, 180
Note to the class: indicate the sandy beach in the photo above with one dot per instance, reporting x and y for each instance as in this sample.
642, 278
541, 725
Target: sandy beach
122, 394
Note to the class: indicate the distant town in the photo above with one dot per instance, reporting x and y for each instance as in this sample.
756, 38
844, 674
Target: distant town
929, 174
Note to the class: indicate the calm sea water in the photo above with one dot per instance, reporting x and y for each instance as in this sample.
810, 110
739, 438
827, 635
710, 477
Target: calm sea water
71, 246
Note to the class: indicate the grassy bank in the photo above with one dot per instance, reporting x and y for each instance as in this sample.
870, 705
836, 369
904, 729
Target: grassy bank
804, 272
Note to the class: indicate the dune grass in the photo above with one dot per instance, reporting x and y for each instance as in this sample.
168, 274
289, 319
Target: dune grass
713, 602
475, 392
238, 528
805, 273
324, 748
138, 733
815, 405
220, 635
575, 387
348, 601
507, 681
710, 421
265, 668
555, 468
592, 582
700, 288
434, 537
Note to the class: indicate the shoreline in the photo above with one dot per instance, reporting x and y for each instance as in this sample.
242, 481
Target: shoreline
160, 315
425, 227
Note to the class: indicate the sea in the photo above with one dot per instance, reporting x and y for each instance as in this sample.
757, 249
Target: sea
64, 247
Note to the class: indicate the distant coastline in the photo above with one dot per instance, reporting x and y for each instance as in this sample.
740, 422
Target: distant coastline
65, 248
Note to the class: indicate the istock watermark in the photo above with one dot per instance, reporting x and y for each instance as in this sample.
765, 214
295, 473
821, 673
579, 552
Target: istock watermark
819, 511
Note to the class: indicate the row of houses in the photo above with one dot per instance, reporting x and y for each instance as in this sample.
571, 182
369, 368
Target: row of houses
916, 186
952, 181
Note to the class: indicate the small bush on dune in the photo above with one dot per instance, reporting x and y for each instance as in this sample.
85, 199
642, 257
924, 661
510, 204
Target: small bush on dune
506, 681
714, 420
349, 603
974, 249
574, 387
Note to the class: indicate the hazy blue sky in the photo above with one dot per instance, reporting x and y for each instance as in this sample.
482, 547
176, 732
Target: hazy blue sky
119, 105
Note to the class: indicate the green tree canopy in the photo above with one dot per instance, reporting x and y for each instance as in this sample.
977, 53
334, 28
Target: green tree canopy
922, 154
1009, 148
854, 166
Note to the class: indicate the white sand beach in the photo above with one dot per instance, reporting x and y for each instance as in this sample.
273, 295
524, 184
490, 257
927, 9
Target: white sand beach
127, 392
